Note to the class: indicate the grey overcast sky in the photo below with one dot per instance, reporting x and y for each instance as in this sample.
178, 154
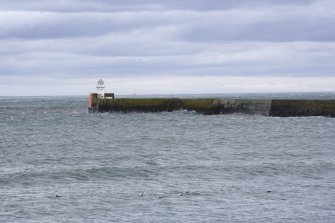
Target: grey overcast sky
62, 47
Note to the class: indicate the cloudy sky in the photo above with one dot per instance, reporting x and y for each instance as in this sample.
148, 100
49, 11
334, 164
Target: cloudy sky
62, 47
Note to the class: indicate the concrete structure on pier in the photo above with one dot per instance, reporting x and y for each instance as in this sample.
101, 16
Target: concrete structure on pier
101, 95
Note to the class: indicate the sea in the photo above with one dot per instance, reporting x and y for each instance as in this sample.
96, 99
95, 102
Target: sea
59, 163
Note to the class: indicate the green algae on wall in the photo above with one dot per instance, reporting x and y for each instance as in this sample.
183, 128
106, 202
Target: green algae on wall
143, 105
203, 106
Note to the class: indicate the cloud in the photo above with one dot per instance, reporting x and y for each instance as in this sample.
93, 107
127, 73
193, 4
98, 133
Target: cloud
111, 56
272, 23
128, 5
254, 25
80, 39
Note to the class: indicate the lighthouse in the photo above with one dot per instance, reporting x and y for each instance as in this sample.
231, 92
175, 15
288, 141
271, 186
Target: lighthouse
101, 88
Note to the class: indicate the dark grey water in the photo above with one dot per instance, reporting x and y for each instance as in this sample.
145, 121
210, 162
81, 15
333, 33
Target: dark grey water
60, 164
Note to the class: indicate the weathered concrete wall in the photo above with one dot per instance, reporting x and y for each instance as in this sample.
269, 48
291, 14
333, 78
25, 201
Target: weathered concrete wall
93, 102
281, 108
286, 108
203, 106
249, 106
141, 105
109, 95
226, 106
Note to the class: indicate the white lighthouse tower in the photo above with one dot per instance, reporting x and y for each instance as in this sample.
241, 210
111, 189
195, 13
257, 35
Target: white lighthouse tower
101, 88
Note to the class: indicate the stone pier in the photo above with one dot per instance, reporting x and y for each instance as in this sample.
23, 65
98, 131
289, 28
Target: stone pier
210, 106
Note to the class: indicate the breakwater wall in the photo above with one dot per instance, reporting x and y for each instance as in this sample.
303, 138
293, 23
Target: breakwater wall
209, 106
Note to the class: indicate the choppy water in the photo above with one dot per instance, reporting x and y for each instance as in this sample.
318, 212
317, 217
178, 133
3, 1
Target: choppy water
60, 164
